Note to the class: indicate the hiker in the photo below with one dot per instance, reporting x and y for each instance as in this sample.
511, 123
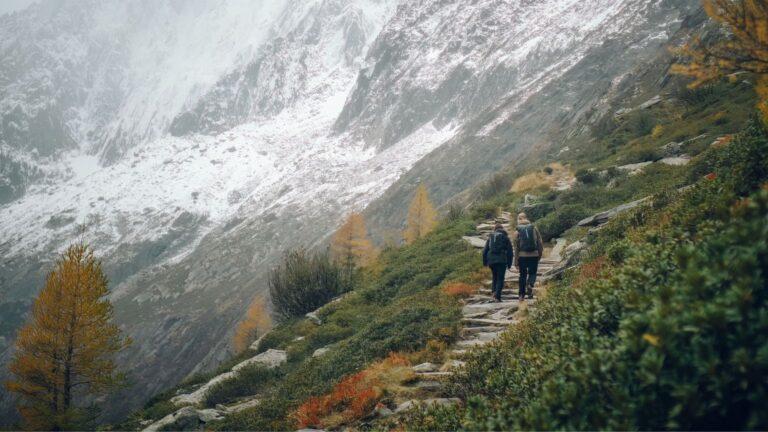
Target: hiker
528, 251
497, 255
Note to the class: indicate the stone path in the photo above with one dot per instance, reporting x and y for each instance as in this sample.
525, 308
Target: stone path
483, 321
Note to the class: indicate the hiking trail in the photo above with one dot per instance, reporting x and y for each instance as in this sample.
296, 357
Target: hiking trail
483, 320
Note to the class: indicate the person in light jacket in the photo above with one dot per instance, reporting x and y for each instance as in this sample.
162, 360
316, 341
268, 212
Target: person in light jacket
529, 248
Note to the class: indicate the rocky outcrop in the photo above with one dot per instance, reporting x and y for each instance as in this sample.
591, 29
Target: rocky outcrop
603, 217
269, 359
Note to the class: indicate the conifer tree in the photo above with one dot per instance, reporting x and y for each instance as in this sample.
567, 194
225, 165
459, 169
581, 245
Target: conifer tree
746, 50
351, 246
421, 216
256, 322
66, 349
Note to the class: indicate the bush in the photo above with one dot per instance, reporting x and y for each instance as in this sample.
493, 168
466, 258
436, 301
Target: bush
558, 222
667, 331
641, 123
539, 211
586, 176
304, 282
455, 212
249, 381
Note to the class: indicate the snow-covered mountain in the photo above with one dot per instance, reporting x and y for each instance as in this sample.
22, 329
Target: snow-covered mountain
196, 140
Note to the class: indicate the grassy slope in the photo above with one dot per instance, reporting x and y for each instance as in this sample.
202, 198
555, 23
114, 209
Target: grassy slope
665, 324
397, 306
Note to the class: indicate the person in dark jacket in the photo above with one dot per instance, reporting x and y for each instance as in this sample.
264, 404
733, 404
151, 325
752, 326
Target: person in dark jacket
529, 249
498, 255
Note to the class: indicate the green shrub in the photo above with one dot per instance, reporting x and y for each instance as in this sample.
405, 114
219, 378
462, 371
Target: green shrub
303, 282
539, 211
559, 221
669, 331
454, 213
249, 381
586, 176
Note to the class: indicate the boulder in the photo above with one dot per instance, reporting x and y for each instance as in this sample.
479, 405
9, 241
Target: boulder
382, 411
651, 102
475, 242
426, 367
634, 168
603, 217
676, 161
255, 344
671, 149
187, 418
320, 351
312, 316
271, 359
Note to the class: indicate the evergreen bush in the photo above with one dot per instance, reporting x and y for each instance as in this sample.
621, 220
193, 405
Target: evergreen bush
303, 282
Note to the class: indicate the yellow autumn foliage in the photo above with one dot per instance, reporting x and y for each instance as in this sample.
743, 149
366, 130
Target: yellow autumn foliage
422, 216
747, 50
256, 322
66, 349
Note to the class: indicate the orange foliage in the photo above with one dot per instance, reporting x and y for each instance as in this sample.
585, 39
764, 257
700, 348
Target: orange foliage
458, 289
257, 321
353, 398
351, 245
422, 216
66, 349
592, 270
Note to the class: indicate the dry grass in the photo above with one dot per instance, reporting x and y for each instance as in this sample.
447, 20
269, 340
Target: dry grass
459, 289
540, 180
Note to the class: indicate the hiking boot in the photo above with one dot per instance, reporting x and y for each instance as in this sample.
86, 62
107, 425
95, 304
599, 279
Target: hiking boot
529, 291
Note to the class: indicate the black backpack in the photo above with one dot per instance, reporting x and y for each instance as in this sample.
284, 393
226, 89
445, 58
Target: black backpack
526, 235
498, 245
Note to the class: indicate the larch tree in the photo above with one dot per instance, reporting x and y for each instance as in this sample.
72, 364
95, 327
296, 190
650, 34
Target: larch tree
422, 216
66, 349
257, 321
351, 246
746, 49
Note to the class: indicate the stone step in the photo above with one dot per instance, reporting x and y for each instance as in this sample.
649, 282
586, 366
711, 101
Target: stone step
488, 307
452, 364
481, 329
487, 322
472, 343
426, 385
458, 353
434, 376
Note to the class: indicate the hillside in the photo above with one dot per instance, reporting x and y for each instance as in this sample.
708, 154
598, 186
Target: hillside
191, 143
650, 316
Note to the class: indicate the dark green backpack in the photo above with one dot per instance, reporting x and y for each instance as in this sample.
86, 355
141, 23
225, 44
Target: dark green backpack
526, 235
498, 244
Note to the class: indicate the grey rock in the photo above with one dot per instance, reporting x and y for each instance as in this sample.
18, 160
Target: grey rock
426, 367
651, 102
320, 351
603, 217
676, 161
634, 168
312, 316
475, 242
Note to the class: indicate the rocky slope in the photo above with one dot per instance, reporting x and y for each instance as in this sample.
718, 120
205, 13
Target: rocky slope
200, 140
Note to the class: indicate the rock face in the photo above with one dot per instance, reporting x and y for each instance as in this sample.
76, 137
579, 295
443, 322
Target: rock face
269, 359
603, 217
187, 418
